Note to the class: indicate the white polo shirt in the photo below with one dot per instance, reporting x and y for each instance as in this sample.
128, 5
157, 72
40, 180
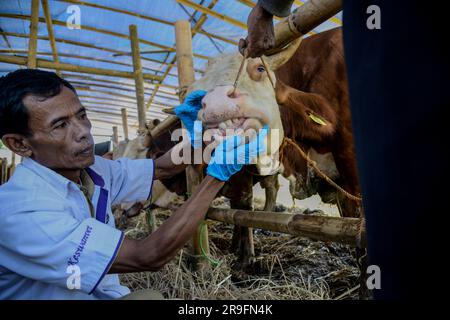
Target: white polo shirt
50, 246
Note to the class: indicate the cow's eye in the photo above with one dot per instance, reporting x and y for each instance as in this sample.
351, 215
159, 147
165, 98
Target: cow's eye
261, 69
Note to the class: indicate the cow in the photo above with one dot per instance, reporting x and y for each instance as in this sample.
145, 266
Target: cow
164, 192
312, 86
309, 79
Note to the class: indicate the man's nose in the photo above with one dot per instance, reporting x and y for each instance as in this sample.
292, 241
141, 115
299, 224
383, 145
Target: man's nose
82, 130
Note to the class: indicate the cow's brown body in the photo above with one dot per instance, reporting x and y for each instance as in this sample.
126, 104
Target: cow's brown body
318, 75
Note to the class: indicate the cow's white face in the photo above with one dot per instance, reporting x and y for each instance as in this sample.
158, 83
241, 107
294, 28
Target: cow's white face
253, 103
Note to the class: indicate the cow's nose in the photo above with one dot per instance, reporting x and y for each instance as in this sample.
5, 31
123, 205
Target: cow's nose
233, 92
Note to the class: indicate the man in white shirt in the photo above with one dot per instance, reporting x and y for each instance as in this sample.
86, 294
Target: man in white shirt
57, 233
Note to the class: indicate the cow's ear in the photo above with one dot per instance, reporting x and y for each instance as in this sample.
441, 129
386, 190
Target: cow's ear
281, 92
278, 59
313, 112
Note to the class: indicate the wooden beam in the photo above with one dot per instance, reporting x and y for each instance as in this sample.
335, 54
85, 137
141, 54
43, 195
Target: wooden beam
332, 19
186, 77
324, 228
32, 40
102, 31
125, 122
115, 136
145, 17
83, 77
82, 57
70, 67
51, 35
213, 13
138, 78
197, 26
86, 45
89, 84
304, 19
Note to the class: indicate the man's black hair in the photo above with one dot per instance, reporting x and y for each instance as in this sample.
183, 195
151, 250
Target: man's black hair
15, 86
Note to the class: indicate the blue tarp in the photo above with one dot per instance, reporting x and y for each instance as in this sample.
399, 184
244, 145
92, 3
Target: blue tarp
150, 31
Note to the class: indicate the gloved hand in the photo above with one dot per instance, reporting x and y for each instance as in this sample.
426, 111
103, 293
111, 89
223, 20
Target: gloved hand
230, 156
187, 112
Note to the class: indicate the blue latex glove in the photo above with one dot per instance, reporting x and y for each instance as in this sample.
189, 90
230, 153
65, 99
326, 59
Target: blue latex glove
187, 112
229, 157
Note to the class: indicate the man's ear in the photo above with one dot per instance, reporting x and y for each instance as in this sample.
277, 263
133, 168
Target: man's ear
17, 143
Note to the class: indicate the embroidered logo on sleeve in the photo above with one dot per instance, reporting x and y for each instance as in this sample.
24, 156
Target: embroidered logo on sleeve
76, 256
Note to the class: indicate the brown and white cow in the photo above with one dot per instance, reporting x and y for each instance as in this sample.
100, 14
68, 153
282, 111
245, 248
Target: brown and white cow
164, 192
314, 82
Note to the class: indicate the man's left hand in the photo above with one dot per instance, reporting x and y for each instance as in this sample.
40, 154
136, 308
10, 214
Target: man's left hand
188, 111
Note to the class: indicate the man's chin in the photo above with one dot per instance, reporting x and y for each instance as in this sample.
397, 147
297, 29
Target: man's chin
85, 162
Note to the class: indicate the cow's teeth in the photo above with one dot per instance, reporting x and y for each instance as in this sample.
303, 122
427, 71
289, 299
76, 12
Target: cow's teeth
229, 123
222, 125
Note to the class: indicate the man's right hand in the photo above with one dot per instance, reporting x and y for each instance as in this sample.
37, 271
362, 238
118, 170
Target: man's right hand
261, 34
231, 155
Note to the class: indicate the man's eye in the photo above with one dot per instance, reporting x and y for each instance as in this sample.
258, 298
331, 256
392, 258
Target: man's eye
261, 69
61, 125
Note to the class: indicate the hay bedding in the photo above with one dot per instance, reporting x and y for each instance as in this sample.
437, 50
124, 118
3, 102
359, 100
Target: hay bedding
286, 267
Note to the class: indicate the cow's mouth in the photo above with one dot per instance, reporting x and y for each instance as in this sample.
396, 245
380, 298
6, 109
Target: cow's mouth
235, 126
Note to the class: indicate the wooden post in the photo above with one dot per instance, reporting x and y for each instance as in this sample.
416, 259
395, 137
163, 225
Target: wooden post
74, 68
186, 77
51, 35
125, 123
32, 42
303, 20
324, 228
138, 78
115, 136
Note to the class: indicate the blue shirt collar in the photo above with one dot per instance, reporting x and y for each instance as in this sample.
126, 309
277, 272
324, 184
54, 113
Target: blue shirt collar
58, 182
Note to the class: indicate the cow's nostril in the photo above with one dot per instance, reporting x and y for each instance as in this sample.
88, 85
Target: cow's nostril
232, 93
203, 105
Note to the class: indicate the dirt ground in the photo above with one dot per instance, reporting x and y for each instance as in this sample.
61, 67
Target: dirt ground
285, 267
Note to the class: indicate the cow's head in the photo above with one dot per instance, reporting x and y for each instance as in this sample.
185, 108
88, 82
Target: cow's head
251, 106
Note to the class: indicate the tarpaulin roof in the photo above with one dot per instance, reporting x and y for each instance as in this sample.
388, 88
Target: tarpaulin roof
103, 42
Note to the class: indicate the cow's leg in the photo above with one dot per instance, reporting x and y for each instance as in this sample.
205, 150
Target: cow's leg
271, 187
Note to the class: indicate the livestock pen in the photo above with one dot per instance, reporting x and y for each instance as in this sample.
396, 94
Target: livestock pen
132, 64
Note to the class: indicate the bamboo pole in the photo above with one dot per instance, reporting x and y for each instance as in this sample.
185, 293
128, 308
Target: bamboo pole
186, 77
197, 27
145, 17
82, 57
115, 136
303, 20
324, 228
32, 42
213, 13
139, 80
125, 123
86, 45
51, 35
102, 31
70, 67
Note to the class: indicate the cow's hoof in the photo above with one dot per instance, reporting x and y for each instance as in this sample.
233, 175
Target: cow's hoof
243, 265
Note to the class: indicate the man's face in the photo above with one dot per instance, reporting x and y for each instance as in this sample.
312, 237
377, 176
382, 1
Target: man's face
61, 132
